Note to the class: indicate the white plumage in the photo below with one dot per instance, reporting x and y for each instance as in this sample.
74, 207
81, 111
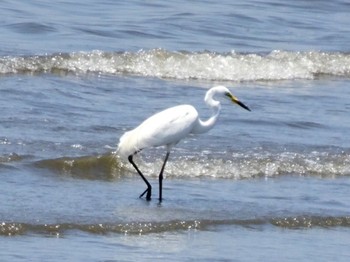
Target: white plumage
168, 127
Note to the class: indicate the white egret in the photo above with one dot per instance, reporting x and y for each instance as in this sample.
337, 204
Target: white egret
168, 127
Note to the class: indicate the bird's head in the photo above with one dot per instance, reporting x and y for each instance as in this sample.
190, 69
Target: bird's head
227, 93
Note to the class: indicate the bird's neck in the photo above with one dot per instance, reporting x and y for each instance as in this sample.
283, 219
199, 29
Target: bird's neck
205, 126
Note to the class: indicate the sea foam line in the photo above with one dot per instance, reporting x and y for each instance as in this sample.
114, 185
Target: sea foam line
212, 66
235, 166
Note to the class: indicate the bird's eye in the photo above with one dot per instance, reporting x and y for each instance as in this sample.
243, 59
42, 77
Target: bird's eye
228, 94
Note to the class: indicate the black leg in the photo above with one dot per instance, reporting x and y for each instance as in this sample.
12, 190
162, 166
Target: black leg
149, 187
161, 177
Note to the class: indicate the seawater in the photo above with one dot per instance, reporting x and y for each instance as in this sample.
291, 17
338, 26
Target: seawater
75, 76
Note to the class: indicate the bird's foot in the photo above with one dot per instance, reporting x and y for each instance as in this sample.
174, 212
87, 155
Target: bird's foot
149, 193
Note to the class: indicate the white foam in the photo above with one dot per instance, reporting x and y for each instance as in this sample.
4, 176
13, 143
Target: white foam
252, 165
277, 65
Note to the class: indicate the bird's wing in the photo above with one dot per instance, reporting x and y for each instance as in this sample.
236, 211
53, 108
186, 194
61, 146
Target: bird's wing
167, 127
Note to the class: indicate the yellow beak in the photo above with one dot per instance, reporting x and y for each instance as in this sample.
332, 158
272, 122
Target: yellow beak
236, 101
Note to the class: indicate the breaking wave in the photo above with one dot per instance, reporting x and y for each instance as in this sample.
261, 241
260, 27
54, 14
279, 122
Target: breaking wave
228, 166
212, 66
103, 167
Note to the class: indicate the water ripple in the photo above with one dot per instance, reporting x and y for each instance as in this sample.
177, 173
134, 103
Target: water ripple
141, 228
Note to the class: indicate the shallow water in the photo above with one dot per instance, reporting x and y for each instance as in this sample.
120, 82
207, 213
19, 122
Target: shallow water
75, 77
